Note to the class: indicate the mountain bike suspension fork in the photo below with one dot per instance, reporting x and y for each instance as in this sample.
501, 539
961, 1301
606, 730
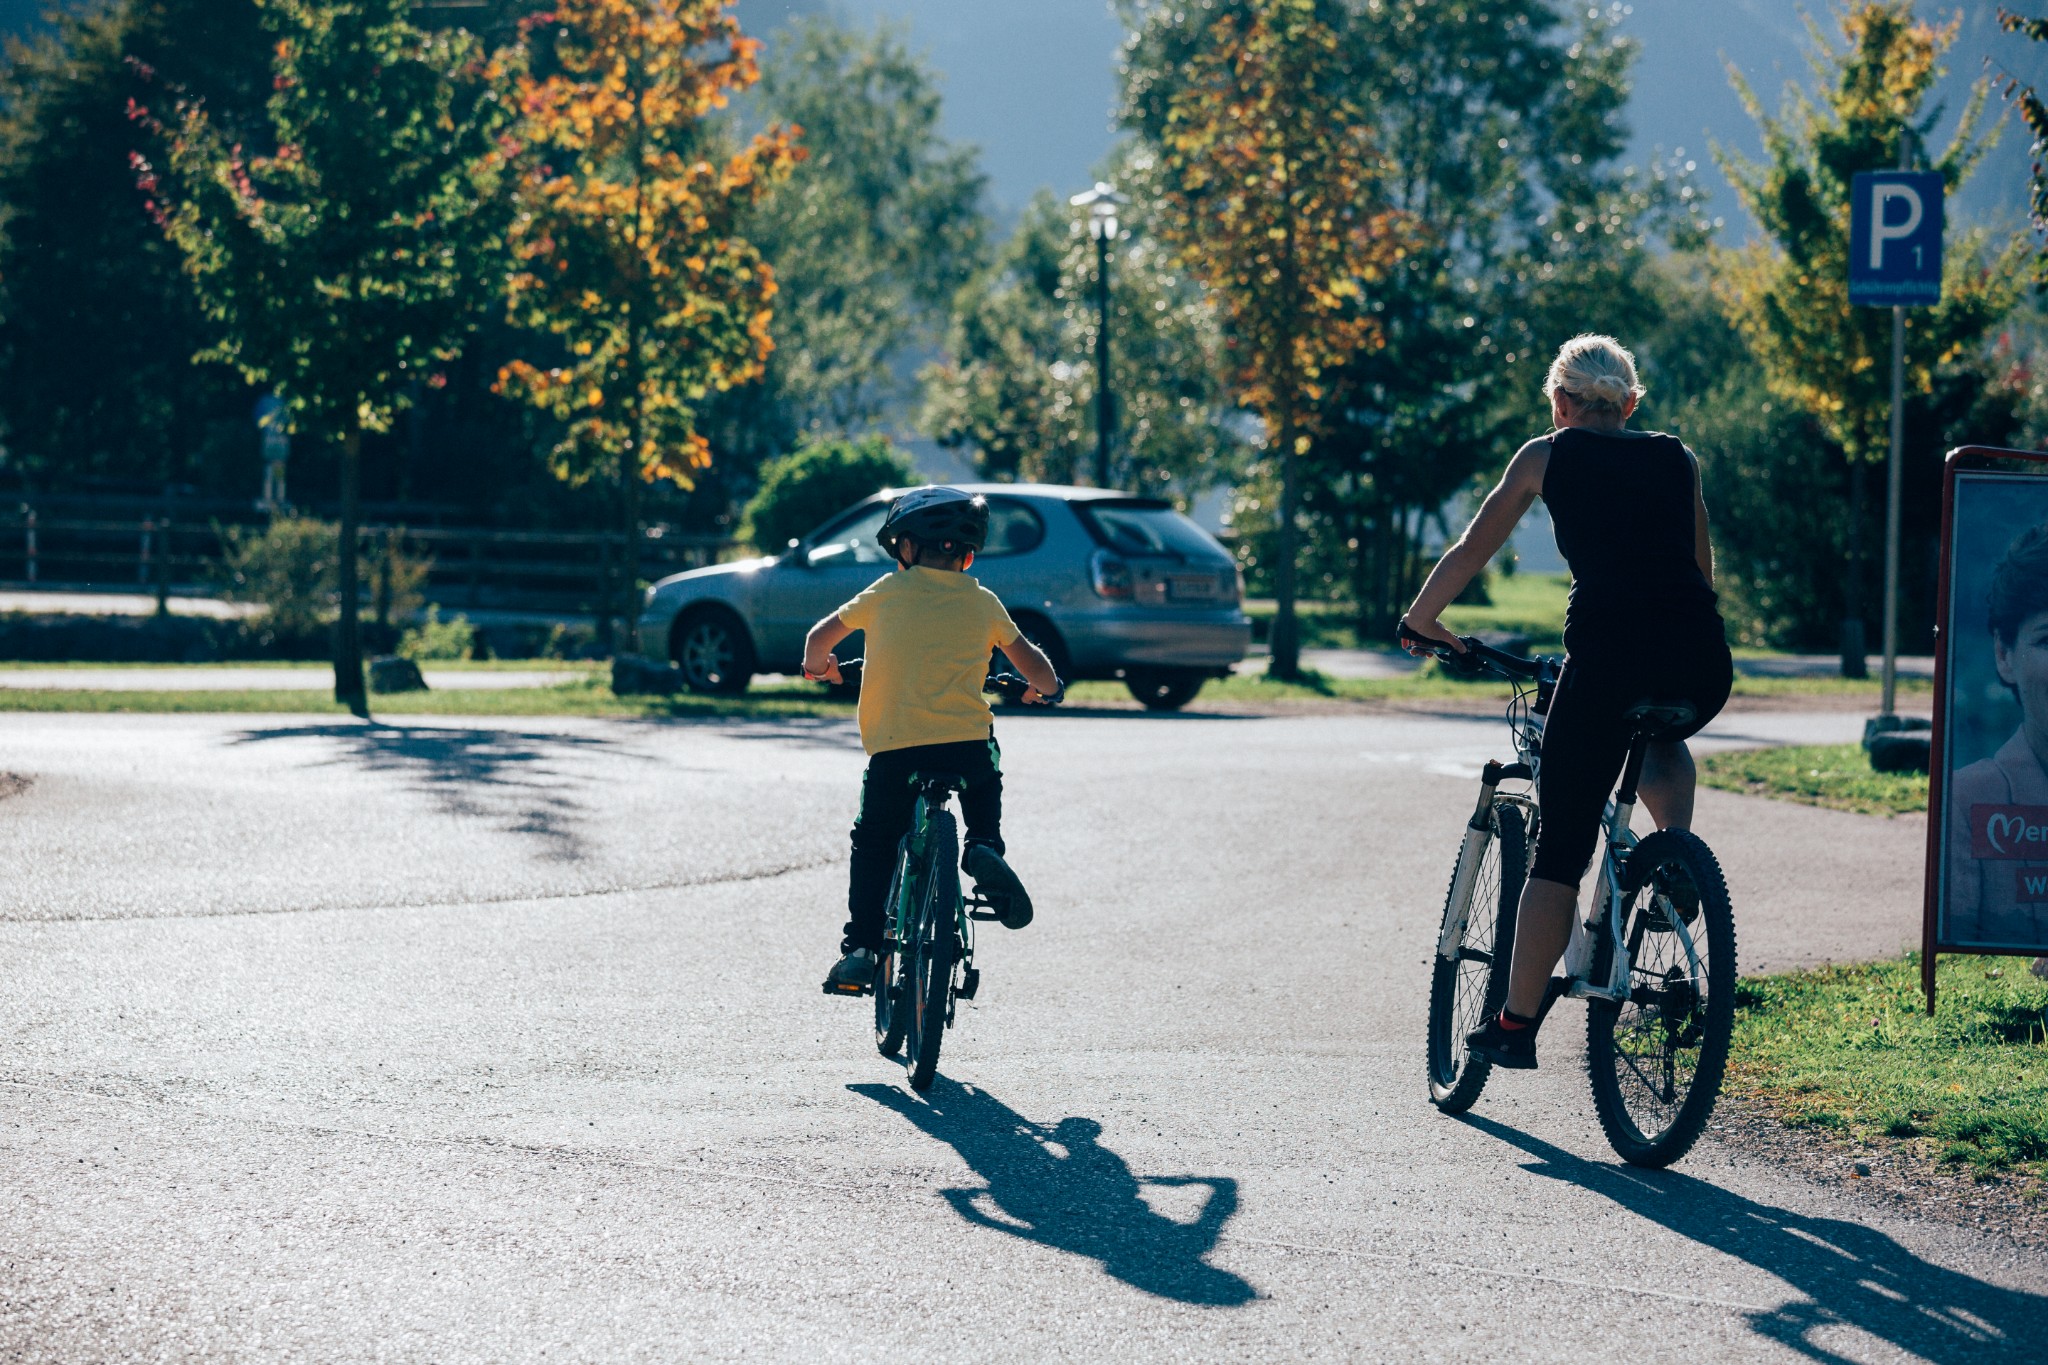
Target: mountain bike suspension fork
1478, 834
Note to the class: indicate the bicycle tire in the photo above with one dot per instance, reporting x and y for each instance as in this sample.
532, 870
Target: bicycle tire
1461, 1000
890, 1016
935, 949
1679, 1018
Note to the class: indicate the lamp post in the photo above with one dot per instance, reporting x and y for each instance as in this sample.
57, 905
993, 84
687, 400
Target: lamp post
1101, 203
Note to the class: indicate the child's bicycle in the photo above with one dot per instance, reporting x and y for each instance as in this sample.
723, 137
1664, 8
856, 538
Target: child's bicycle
1655, 959
927, 962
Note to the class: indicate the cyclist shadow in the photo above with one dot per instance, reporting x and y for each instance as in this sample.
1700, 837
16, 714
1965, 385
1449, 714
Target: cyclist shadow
1059, 1186
1850, 1275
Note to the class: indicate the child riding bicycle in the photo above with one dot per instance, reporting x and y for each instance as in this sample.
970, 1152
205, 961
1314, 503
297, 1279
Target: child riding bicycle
930, 628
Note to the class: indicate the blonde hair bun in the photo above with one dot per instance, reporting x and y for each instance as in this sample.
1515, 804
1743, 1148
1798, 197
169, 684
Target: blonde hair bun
1597, 371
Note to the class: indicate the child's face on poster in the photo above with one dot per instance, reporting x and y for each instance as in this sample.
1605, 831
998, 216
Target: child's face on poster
2023, 666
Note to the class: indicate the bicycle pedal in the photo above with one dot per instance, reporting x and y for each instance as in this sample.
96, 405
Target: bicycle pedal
832, 988
970, 982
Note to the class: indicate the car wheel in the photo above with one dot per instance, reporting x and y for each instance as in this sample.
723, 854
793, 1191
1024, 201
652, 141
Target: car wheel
712, 650
1164, 689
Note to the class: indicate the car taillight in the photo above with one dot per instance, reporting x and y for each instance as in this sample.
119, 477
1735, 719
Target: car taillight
1112, 577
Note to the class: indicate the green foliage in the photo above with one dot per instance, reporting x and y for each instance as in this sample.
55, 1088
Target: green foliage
869, 235
802, 489
98, 325
1852, 1049
1788, 293
434, 638
1838, 776
346, 261
289, 568
1017, 385
2034, 113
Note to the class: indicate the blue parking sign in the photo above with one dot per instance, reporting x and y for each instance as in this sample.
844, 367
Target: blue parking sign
1895, 238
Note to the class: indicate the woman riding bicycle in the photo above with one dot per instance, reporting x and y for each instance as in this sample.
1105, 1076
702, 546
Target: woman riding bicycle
1641, 625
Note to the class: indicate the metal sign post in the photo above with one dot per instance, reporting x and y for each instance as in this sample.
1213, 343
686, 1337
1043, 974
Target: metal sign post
1895, 222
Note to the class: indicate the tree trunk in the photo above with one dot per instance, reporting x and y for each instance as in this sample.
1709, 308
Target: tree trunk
629, 492
1286, 640
1855, 646
348, 631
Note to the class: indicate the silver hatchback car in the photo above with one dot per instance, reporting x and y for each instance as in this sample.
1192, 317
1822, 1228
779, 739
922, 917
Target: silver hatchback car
1109, 585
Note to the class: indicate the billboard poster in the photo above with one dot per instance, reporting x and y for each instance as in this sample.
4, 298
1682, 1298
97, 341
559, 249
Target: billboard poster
1989, 821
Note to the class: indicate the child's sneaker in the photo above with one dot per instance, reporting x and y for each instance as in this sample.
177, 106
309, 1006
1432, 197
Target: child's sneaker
854, 973
998, 885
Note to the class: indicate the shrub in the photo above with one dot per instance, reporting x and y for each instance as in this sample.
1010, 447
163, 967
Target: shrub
288, 568
434, 638
800, 490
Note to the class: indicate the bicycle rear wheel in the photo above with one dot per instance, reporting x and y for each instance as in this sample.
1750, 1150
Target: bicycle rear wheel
1657, 1060
1464, 992
890, 1015
935, 949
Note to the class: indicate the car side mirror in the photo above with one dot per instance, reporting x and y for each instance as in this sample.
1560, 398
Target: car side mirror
798, 555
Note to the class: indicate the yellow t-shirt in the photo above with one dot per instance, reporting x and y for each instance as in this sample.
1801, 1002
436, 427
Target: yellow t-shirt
929, 633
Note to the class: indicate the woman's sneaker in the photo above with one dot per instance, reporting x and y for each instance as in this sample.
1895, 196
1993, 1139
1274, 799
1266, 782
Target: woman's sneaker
998, 885
1513, 1048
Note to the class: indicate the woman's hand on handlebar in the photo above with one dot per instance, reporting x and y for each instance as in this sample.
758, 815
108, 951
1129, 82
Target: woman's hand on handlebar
1417, 638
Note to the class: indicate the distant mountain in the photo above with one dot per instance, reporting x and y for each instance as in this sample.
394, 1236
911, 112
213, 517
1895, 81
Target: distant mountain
1033, 84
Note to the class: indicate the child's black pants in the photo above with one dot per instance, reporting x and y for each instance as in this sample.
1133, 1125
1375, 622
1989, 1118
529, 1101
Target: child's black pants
887, 800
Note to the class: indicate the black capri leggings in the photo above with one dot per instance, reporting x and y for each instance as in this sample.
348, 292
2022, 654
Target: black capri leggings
1585, 738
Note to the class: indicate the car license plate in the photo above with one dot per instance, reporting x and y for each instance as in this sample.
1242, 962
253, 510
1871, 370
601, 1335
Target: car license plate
1192, 585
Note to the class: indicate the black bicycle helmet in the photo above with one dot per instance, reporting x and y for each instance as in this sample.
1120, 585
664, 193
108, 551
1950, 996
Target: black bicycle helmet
936, 517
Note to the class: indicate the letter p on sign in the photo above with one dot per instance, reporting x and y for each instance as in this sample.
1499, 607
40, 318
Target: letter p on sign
1895, 222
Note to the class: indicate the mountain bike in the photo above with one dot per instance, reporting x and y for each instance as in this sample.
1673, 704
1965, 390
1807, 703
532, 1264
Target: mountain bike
927, 961
1653, 956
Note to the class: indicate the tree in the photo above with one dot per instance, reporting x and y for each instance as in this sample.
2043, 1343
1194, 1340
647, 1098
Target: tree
2034, 113
868, 237
1499, 125
345, 264
1268, 185
1016, 384
1788, 294
98, 325
626, 238
801, 490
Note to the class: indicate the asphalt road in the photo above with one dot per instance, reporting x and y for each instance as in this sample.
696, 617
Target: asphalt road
504, 1041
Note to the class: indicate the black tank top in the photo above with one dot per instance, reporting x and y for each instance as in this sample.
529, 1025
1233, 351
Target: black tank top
1623, 509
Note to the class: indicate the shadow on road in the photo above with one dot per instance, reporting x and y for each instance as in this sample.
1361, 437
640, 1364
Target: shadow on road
1850, 1275
1060, 1187
509, 777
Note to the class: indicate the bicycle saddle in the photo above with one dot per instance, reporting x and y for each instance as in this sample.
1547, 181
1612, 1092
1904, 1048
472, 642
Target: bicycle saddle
1660, 719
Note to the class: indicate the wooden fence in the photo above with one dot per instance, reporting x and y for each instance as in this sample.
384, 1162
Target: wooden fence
542, 571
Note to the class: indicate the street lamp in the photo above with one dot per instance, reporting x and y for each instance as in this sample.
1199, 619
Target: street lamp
1101, 204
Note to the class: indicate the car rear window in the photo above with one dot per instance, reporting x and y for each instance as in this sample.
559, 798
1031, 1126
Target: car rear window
1145, 526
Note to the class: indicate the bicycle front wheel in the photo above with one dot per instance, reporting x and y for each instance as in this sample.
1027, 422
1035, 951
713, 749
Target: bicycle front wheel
1466, 990
928, 986
1657, 1059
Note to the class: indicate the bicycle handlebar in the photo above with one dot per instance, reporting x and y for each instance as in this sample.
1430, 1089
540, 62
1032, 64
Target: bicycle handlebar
1006, 685
1477, 657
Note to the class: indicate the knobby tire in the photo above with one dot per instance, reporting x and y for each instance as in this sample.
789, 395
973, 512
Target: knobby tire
1656, 1062
1465, 992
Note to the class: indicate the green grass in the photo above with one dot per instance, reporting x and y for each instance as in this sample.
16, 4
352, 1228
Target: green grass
585, 697
1851, 1050
1838, 776
301, 665
1528, 604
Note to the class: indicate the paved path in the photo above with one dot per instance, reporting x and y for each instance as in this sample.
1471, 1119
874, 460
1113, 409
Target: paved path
207, 678
503, 1041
